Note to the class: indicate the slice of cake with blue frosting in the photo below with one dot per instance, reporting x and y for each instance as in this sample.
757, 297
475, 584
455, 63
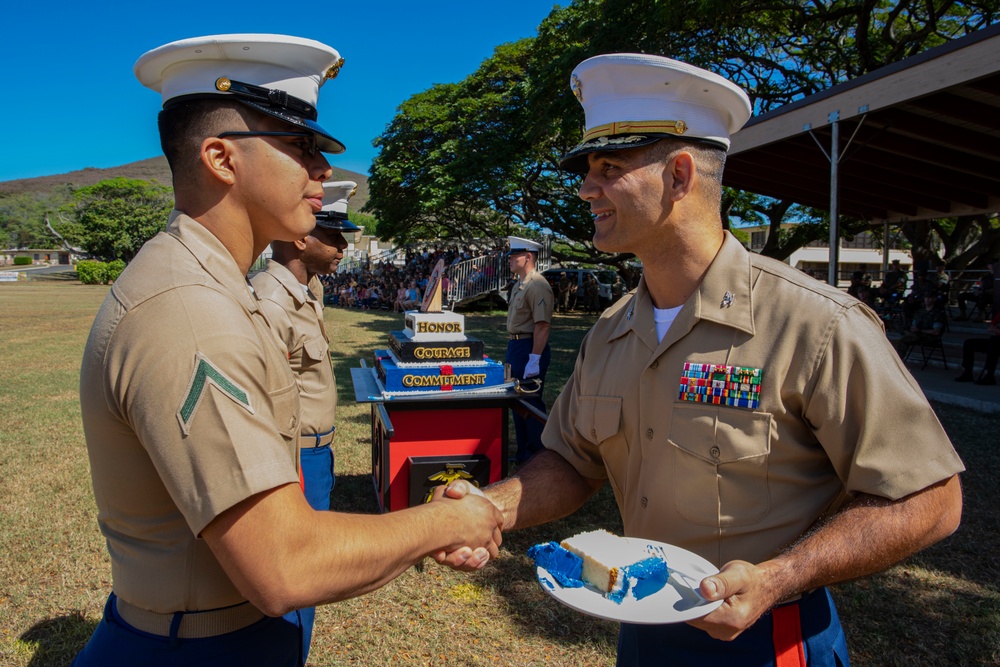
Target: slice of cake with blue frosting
617, 567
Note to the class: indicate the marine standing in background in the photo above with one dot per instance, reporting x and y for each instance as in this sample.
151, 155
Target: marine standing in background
291, 298
529, 314
563, 295
189, 407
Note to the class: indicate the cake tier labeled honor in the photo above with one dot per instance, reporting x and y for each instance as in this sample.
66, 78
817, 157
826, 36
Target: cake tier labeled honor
434, 337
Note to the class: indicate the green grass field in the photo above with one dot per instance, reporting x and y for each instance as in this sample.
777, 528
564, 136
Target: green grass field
941, 607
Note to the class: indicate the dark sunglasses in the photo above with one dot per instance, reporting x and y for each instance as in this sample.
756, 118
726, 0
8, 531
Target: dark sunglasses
308, 146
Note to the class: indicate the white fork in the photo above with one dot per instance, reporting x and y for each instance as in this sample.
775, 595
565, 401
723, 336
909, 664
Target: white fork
690, 582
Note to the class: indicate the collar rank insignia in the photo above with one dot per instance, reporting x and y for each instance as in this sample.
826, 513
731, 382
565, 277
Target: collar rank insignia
736, 386
727, 300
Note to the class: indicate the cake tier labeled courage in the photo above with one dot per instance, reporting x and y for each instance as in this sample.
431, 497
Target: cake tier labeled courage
409, 351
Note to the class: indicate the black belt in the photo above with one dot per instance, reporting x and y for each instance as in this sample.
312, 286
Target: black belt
520, 336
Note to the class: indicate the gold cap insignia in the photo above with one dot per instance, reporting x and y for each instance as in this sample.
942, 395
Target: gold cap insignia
223, 84
353, 192
577, 88
334, 70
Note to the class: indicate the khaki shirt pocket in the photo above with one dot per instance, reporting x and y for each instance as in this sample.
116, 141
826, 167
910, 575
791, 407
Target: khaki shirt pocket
285, 406
599, 419
720, 471
314, 351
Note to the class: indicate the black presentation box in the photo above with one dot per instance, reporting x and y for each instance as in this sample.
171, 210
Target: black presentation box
426, 472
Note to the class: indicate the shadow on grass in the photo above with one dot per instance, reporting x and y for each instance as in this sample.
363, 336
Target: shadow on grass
58, 640
354, 494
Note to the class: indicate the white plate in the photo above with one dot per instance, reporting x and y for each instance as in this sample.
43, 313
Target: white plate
674, 603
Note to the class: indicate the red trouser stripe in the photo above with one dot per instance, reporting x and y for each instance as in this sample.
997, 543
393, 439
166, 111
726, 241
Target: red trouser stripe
787, 636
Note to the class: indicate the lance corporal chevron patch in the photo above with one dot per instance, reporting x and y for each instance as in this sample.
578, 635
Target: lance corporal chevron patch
206, 374
738, 386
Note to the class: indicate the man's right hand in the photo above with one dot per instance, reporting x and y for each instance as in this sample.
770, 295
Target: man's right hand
478, 514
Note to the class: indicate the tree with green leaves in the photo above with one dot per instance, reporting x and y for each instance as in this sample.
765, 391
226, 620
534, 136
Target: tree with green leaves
475, 157
23, 218
120, 214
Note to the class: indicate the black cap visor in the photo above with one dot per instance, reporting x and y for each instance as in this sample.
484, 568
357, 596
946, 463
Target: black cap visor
324, 140
335, 221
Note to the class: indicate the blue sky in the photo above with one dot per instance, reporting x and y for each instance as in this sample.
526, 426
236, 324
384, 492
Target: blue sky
70, 99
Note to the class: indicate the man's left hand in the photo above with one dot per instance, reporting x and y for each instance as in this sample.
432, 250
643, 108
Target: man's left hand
532, 368
748, 593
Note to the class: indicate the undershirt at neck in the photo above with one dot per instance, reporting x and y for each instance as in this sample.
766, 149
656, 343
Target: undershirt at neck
664, 317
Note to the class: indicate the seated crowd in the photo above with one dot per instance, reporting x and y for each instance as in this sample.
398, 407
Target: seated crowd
921, 309
384, 285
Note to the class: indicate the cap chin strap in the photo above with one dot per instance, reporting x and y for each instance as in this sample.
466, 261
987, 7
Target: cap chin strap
269, 96
331, 215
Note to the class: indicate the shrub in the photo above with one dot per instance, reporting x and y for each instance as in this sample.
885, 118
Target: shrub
112, 270
23, 261
90, 272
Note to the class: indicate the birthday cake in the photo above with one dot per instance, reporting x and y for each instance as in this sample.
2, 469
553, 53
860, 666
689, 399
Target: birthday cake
433, 353
618, 568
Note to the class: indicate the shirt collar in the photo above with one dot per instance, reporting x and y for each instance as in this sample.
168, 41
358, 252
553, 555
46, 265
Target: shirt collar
724, 297
291, 284
214, 257
725, 294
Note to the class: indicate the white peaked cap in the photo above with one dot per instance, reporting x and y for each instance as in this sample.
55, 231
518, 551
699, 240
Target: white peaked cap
336, 195
276, 74
517, 243
634, 99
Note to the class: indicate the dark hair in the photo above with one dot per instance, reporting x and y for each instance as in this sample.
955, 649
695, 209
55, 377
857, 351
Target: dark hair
184, 125
709, 158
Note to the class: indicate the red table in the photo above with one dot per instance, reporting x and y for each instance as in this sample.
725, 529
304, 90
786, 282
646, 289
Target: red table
422, 441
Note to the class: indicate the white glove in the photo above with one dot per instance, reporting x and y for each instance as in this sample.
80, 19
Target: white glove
532, 369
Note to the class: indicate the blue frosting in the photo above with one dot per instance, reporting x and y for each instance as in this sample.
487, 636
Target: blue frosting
565, 567
642, 578
649, 576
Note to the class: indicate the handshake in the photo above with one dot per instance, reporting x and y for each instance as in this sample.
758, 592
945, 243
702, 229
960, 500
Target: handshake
477, 521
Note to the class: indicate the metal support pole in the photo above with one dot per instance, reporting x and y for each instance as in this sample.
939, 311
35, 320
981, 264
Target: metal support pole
834, 268
886, 247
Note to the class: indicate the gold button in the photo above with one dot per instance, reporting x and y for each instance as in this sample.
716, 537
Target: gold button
715, 451
649, 433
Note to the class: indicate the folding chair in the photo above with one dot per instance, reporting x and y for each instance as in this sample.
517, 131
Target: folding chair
928, 348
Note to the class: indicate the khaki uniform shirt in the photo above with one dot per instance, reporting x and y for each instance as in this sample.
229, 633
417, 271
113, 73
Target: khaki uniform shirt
296, 318
838, 413
531, 301
189, 407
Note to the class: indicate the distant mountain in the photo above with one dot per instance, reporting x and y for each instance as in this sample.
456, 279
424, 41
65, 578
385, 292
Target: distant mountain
153, 169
